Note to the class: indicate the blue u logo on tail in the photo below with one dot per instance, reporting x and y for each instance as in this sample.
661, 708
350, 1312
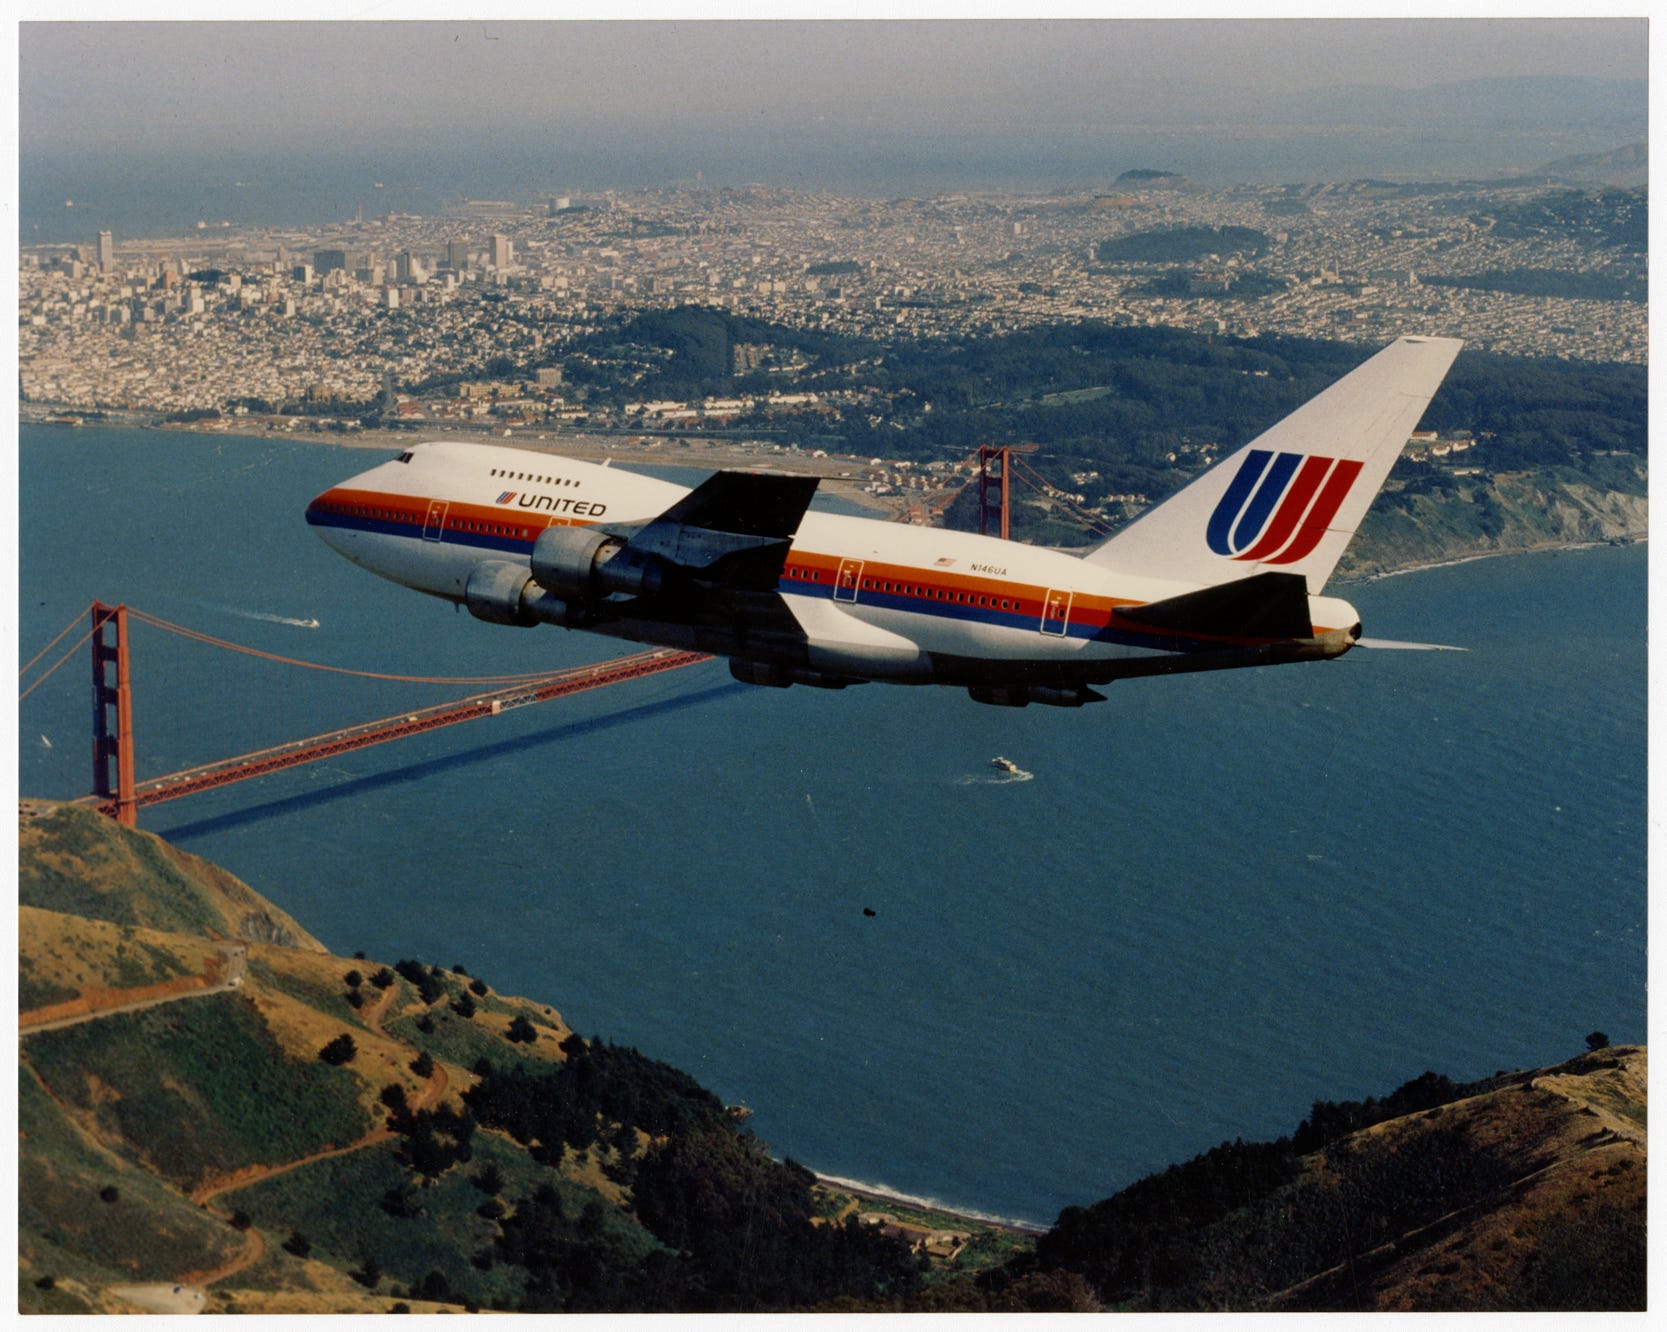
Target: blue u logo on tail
1278, 506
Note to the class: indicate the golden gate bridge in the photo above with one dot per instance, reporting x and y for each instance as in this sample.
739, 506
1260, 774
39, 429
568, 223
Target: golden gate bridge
117, 791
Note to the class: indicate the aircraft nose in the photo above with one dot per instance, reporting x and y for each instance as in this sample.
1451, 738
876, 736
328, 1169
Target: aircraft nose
318, 509
327, 515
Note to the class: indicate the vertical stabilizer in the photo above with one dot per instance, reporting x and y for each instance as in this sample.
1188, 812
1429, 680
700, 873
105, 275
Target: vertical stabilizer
1290, 500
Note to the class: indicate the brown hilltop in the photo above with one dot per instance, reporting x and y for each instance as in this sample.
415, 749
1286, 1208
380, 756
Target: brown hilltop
70, 860
1570, 1145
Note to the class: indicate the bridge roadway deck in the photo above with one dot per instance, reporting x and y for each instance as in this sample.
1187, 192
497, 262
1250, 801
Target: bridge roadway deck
190, 781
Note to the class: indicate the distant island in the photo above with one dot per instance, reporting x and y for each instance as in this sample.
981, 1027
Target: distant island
218, 1115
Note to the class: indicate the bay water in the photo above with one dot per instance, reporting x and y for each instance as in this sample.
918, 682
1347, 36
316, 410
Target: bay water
1200, 906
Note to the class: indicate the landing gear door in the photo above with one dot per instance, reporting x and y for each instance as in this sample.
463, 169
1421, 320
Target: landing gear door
435, 523
1056, 612
848, 580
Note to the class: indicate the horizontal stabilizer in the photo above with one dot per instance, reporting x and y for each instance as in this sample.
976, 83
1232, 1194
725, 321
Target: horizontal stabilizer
748, 503
1382, 644
1265, 605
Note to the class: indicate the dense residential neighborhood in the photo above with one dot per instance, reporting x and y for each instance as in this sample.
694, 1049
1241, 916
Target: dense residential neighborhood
471, 314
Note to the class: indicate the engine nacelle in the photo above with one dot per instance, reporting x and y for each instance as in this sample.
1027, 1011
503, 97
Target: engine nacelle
503, 593
495, 593
1018, 696
779, 677
584, 564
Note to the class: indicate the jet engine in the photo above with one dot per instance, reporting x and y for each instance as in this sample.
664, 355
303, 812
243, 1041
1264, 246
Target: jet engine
585, 564
1018, 696
502, 593
780, 677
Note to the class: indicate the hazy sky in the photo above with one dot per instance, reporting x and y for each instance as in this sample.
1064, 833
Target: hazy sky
155, 81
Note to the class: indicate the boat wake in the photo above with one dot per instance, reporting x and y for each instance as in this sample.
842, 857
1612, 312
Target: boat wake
994, 777
266, 616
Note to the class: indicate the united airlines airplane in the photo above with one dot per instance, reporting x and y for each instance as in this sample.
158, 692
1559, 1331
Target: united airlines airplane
1227, 572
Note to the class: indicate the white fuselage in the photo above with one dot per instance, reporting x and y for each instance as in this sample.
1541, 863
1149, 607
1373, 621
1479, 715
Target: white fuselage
867, 600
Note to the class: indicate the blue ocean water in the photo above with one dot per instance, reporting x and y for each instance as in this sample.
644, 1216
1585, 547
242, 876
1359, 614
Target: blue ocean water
1211, 900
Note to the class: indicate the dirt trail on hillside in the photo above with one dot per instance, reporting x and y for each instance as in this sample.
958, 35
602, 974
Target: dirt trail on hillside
254, 1247
220, 974
253, 1250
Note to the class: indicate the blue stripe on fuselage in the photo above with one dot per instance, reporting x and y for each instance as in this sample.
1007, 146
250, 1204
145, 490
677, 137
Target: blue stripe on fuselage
349, 522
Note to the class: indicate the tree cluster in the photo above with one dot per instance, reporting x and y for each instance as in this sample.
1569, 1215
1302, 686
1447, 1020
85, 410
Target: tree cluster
736, 1225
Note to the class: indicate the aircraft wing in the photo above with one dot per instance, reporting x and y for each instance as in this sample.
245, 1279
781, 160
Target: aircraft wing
733, 530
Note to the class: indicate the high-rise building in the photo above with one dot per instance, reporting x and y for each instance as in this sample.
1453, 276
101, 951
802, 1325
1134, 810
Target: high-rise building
329, 261
503, 252
106, 252
457, 255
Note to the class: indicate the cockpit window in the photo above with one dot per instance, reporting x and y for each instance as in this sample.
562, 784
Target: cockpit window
404, 457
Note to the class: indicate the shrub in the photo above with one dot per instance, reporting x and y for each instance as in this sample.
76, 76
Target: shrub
339, 1051
522, 1030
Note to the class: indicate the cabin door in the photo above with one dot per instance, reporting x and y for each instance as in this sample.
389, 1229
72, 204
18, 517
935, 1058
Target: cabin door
435, 523
849, 579
1056, 612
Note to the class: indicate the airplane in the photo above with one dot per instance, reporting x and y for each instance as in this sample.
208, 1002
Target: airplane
1227, 572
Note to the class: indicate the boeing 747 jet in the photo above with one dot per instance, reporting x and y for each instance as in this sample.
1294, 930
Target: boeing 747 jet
1227, 572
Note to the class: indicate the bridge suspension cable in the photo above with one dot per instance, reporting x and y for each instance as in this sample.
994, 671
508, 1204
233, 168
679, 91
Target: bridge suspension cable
1037, 482
23, 670
198, 636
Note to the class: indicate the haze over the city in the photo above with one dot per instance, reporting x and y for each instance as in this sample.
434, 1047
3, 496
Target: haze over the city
243, 85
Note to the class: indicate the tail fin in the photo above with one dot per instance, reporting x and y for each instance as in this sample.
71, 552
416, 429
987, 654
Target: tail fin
1290, 500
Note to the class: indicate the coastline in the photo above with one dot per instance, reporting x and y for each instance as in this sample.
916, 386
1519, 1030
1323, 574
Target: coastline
1543, 548
878, 1194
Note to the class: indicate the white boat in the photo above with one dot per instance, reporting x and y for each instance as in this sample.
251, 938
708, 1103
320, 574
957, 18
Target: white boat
1004, 764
